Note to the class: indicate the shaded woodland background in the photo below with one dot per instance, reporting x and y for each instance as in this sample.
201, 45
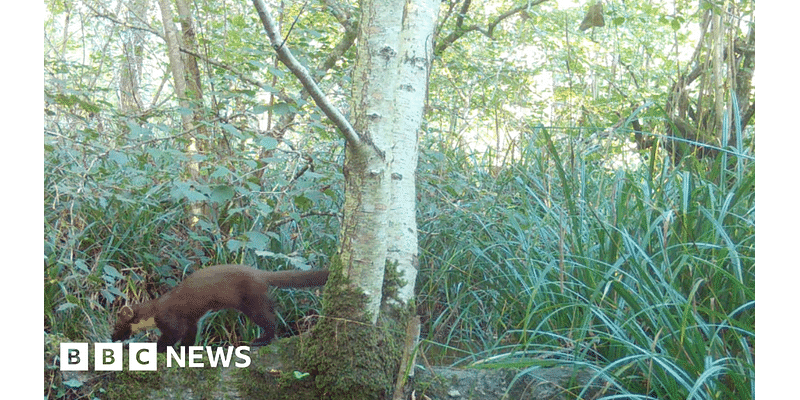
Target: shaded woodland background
585, 197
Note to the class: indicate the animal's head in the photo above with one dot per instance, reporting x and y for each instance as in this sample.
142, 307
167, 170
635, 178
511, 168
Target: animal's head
133, 319
122, 329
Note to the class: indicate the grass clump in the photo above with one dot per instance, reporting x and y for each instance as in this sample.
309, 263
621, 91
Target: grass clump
645, 274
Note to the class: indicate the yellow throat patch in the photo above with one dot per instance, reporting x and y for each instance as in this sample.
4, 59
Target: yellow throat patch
143, 324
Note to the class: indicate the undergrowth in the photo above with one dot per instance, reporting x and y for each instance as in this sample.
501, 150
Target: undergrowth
645, 274
117, 220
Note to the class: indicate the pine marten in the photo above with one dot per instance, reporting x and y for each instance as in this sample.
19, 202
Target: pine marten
218, 287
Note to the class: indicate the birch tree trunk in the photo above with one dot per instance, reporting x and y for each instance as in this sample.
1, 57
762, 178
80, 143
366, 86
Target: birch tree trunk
416, 56
356, 347
379, 227
390, 87
178, 74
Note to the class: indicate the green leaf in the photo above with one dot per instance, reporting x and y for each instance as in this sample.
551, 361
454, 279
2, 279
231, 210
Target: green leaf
283, 108
107, 295
188, 191
80, 264
303, 202
256, 240
300, 375
275, 72
118, 158
260, 109
115, 291
111, 271
268, 143
73, 383
221, 172
235, 245
232, 130
221, 194
238, 21
66, 306
264, 208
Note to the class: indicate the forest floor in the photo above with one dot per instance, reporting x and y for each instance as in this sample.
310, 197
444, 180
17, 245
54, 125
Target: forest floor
428, 383
551, 383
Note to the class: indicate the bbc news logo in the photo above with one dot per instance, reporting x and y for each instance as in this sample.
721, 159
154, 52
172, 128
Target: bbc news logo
142, 356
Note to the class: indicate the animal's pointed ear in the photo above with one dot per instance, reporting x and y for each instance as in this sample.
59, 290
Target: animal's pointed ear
125, 313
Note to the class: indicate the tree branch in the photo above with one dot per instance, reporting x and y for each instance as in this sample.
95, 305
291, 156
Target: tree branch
461, 30
302, 74
263, 86
341, 13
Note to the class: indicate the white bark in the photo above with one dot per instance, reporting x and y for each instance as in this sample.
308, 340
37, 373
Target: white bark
390, 87
390, 82
367, 178
416, 56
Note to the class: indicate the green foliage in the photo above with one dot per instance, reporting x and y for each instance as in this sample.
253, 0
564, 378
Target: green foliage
552, 244
118, 192
645, 274
121, 212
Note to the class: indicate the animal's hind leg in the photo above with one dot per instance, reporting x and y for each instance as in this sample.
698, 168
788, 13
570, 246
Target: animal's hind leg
259, 309
190, 335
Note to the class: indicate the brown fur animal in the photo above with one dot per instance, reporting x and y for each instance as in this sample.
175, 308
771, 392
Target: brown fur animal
212, 288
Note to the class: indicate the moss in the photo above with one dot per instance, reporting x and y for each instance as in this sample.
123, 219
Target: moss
197, 383
255, 382
133, 384
349, 357
268, 379
392, 281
